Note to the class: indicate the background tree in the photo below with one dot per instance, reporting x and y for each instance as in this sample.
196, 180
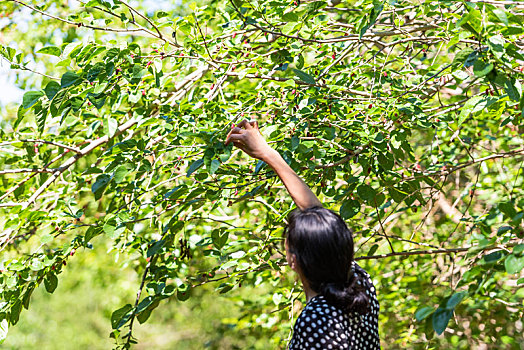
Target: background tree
405, 116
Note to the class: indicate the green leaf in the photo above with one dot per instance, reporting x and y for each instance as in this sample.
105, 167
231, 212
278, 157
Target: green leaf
397, 195
50, 50
496, 44
260, 165
514, 264
441, 319
152, 250
51, 89
455, 299
195, 166
378, 6
120, 173
50, 282
304, 76
41, 117
372, 250
501, 15
472, 105
519, 248
215, 164
19, 116
100, 184
300, 62
137, 73
219, 237
366, 192
423, 312
295, 141
349, 209
111, 125
36, 265
69, 79
481, 68
511, 90
15, 311
492, 257
30, 98
183, 292
121, 316
4, 327
461, 57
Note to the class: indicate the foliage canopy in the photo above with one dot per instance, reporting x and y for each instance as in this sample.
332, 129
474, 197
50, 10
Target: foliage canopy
404, 116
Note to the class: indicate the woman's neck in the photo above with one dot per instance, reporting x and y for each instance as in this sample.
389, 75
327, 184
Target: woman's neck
310, 293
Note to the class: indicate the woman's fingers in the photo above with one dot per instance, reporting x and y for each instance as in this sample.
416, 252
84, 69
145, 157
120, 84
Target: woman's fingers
235, 131
240, 130
234, 137
245, 124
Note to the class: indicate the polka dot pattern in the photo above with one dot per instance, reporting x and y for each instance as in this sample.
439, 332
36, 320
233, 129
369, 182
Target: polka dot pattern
323, 326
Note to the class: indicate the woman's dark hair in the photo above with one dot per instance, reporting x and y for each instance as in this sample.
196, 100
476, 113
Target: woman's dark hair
323, 246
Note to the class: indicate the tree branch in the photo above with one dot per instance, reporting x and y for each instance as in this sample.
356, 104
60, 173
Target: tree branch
439, 251
27, 170
70, 148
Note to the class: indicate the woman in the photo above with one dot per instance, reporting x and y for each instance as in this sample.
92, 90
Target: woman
342, 307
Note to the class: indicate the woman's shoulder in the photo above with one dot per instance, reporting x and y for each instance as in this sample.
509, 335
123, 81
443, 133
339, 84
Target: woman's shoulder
319, 308
358, 269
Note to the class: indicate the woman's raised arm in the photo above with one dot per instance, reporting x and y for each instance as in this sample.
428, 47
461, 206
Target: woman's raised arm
248, 138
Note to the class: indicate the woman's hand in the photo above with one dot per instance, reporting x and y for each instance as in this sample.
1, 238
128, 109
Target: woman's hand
248, 138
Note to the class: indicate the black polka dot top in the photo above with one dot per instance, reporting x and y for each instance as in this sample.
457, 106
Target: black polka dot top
323, 326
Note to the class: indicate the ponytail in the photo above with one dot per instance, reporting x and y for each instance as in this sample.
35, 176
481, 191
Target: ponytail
349, 297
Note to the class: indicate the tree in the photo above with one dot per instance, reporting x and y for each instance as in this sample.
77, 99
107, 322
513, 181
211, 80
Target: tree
405, 116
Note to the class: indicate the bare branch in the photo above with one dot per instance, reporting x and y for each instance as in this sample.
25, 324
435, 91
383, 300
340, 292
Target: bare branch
58, 144
27, 170
440, 251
